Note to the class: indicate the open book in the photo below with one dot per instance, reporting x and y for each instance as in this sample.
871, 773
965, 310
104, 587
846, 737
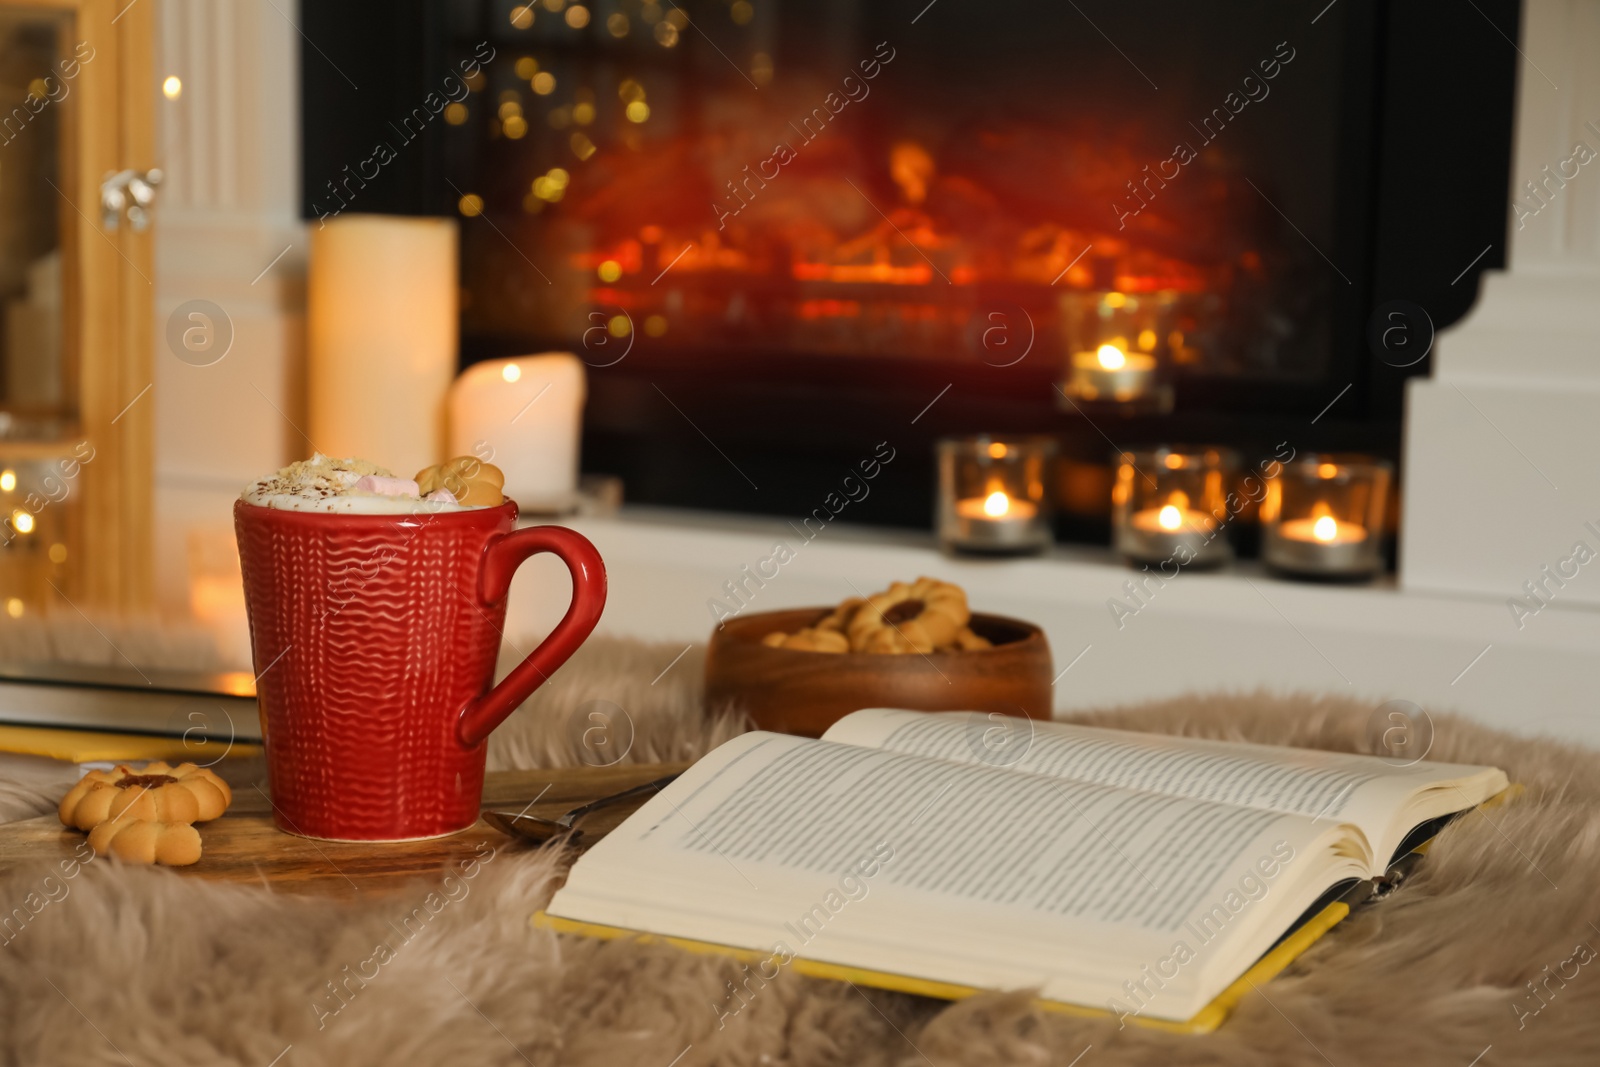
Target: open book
1133, 873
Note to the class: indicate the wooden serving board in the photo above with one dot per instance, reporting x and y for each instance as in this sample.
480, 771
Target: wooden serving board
245, 846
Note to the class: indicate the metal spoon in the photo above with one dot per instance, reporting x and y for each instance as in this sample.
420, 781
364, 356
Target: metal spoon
539, 830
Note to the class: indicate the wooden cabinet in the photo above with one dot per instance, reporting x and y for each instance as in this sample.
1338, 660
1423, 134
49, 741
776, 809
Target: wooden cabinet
77, 95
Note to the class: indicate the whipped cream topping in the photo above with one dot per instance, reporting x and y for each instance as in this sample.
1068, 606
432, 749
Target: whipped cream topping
344, 486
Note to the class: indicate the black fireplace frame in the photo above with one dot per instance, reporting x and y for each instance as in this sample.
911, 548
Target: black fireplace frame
1424, 179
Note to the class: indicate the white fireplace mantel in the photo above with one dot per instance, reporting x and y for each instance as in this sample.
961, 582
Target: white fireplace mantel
1501, 487
1236, 630
1498, 481
227, 232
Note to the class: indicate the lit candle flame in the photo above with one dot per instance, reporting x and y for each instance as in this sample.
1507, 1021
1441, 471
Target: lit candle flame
1111, 357
1170, 518
1325, 528
511, 372
996, 504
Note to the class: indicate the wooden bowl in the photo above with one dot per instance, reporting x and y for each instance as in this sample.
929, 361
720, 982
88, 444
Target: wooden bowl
798, 692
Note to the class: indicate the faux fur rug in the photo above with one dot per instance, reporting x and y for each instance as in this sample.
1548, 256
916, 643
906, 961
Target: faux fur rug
1486, 956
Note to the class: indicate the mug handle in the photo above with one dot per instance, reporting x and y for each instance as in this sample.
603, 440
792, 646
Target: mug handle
502, 555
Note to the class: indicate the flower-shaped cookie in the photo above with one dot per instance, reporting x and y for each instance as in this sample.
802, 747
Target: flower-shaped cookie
968, 641
467, 478
156, 792
809, 640
839, 620
171, 844
920, 617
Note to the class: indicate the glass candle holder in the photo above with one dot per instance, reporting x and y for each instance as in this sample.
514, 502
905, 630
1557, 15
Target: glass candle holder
1322, 517
1114, 343
1171, 504
992, 494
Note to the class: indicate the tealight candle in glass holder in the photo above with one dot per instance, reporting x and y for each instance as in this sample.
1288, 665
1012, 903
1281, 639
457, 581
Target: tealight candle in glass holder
992, 494
1113, 344
1170, 504
1322, 517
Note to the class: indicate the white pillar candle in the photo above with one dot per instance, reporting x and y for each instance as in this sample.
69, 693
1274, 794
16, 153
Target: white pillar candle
524, 415
382, 338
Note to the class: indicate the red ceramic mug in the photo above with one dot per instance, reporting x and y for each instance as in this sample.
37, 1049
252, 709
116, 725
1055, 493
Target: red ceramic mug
375, 638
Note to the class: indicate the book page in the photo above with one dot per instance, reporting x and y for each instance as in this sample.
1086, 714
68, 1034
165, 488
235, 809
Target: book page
1373, 793
985, 876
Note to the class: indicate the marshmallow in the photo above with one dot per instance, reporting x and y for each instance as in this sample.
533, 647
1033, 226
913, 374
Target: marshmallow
441, 496
372, 483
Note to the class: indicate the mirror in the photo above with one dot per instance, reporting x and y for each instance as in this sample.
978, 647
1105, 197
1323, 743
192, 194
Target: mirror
38, 68
40, 462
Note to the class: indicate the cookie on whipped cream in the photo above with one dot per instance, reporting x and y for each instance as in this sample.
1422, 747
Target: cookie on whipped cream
349, 486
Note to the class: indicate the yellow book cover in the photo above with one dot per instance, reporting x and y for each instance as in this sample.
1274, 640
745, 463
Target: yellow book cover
1209, 1018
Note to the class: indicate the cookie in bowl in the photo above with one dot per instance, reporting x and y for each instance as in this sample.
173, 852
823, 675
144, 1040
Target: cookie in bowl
915, 645
811, 639
922, 616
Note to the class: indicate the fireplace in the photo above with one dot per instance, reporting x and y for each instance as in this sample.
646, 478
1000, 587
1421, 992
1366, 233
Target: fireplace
780, 234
